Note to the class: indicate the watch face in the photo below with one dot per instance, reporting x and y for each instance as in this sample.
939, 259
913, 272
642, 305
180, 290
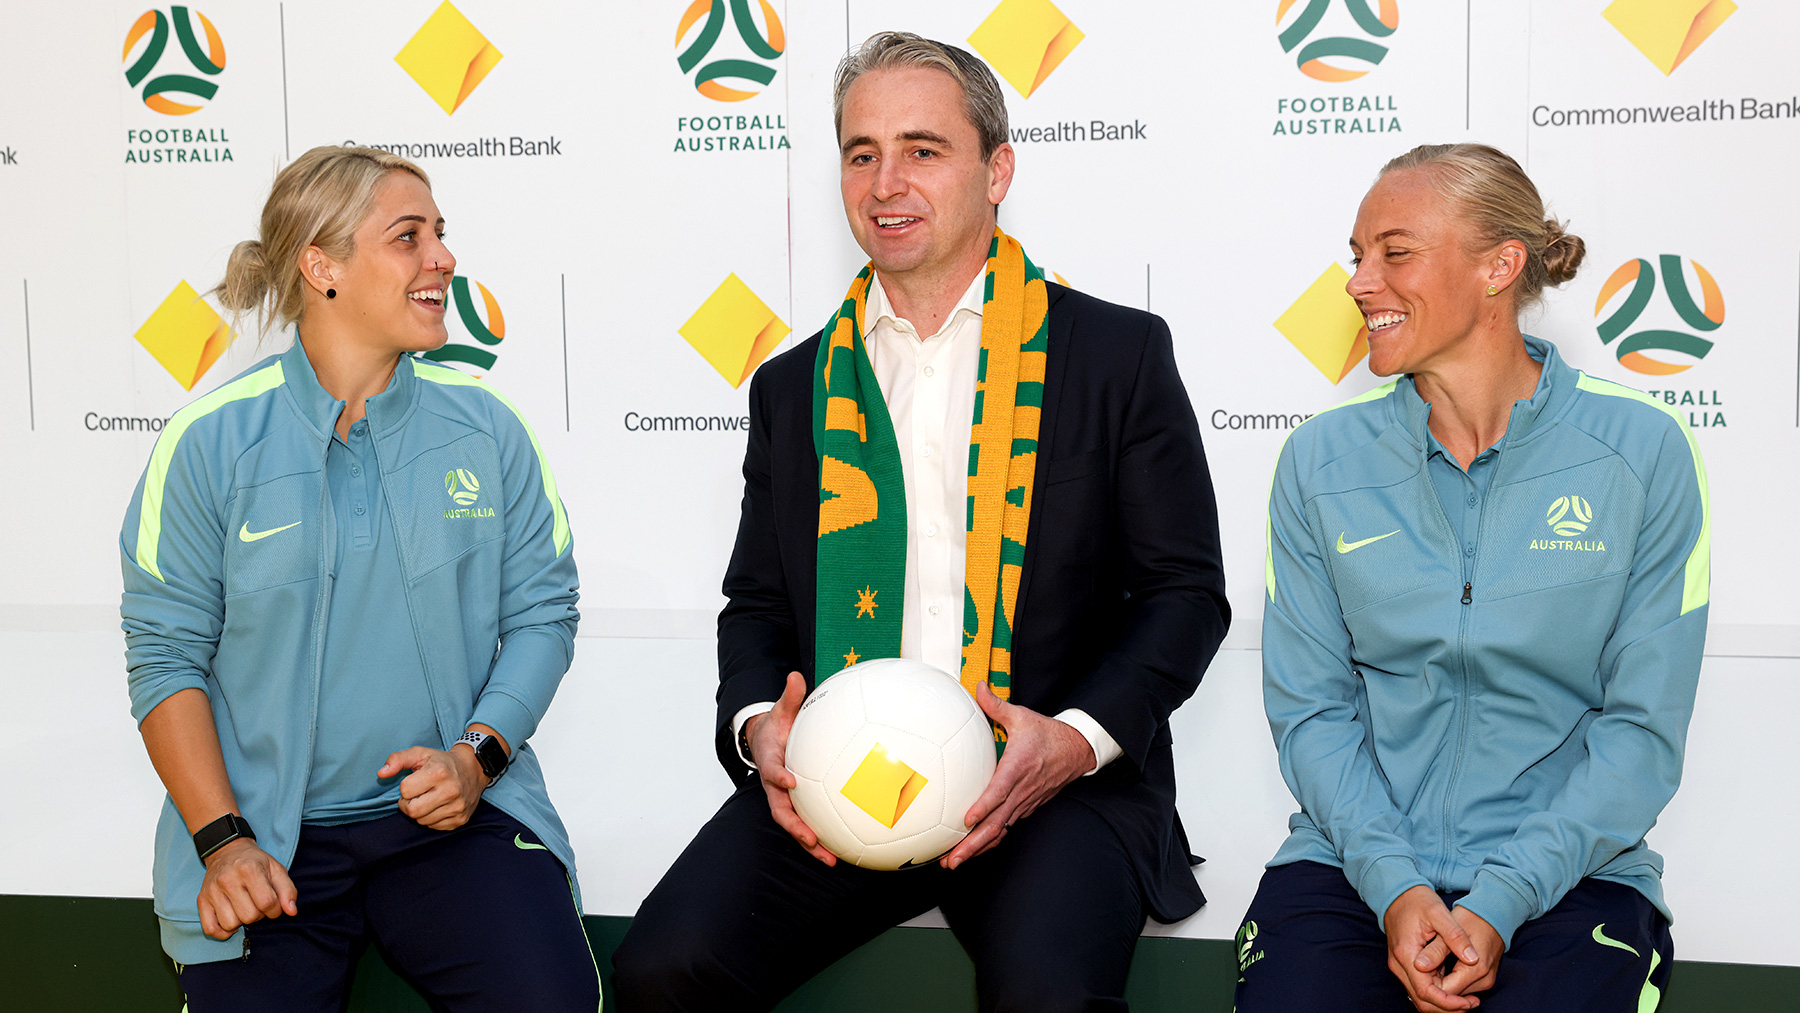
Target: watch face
492, 756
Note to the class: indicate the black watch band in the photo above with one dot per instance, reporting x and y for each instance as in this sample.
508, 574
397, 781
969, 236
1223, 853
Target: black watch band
744, 743
221, 832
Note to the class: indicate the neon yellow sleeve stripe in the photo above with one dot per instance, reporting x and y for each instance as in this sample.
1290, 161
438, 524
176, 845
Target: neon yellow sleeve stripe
149, 536
1269, 525
1696, 588
456, 378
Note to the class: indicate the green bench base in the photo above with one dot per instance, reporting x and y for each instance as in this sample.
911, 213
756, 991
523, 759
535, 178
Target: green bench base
82, 954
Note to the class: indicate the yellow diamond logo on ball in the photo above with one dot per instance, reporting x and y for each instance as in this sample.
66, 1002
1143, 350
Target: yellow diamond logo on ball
185, 335
884, 787
1025, 40
448, 57
1326, 325
1668, 31
734, 330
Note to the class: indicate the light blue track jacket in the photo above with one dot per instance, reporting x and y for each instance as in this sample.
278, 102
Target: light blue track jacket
1505, 722
227, 549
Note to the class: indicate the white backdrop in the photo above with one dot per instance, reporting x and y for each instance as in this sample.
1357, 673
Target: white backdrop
1177, 157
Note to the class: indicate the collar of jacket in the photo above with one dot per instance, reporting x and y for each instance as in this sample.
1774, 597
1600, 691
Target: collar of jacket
1556, 386
320, 409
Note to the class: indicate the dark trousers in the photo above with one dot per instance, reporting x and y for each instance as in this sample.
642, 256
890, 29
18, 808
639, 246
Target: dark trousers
1309, 942
744, 916
480, 919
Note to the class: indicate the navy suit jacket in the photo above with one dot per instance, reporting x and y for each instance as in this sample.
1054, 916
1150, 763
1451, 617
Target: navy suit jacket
1122, 599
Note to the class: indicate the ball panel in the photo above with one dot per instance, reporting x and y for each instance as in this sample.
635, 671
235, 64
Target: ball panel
969, 762
820, 727
917, 697
919, 849
813, 804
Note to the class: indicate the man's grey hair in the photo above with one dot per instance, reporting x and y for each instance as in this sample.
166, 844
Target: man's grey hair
982, 101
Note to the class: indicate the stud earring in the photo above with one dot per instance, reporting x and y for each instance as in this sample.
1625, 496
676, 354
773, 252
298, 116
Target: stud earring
1493, 290
331, 293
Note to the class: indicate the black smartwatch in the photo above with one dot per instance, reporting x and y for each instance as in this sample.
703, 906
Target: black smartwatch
490, 753
221, 832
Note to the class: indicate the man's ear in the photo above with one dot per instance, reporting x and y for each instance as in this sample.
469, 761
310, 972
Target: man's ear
1000, 173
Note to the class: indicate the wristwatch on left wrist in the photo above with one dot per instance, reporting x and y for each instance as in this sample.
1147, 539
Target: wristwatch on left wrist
488, 752
220, 832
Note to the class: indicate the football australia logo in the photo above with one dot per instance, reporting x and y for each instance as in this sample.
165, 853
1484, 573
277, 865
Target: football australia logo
703, 25
1668, 31
464, 490
486, 334
1658, 351
1569, 517
1025, 41
171, 86
1330, 57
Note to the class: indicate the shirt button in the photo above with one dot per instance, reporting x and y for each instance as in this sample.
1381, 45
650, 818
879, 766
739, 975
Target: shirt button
1470, 551
355, 470
925, 451
359, 510
1471, 501
930, 530
930, 372
934, 610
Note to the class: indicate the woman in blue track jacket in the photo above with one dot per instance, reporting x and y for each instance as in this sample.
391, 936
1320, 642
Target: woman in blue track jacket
1487, 594
349, 598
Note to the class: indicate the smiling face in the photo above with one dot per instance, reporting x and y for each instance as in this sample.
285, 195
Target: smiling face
1421, 291
393, 287
918, 194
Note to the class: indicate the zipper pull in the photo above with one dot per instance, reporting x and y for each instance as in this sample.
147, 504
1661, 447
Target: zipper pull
1467, 587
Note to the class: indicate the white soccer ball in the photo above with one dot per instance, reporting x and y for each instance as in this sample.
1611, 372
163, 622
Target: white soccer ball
889, 754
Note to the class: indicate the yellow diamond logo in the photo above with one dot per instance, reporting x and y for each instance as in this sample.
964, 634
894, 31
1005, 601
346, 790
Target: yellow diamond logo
884, 787
185, 335
448, 57
1326, 326
1668, 31
734, 330
1024, 41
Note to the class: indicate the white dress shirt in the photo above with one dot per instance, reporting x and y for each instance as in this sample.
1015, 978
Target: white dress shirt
929, 386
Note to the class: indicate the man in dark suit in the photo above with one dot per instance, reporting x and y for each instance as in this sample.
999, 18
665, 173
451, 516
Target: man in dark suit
1119, 607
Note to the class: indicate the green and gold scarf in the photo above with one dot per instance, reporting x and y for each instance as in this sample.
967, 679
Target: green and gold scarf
862, 494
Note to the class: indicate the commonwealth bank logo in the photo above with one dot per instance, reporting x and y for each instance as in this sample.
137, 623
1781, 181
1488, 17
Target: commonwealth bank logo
448, 57
149, 40
1674, 351
883, 786
486, 327
1569, 516
1326, 325
1668, 31
186, 335
701, 27
734, 330
1336, 57
1025, 41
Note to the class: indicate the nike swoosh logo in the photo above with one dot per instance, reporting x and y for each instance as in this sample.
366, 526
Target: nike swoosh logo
246, 535
1353, 546
1603, 939
519, 842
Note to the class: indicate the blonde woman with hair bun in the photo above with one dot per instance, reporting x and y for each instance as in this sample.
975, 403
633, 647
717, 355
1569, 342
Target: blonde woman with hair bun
1487, 587
350, 595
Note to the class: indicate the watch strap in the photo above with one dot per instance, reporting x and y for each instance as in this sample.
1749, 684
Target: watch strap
220, 832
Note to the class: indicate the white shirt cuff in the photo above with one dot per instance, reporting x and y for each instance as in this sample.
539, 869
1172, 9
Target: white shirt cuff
1106, 748
737, 728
